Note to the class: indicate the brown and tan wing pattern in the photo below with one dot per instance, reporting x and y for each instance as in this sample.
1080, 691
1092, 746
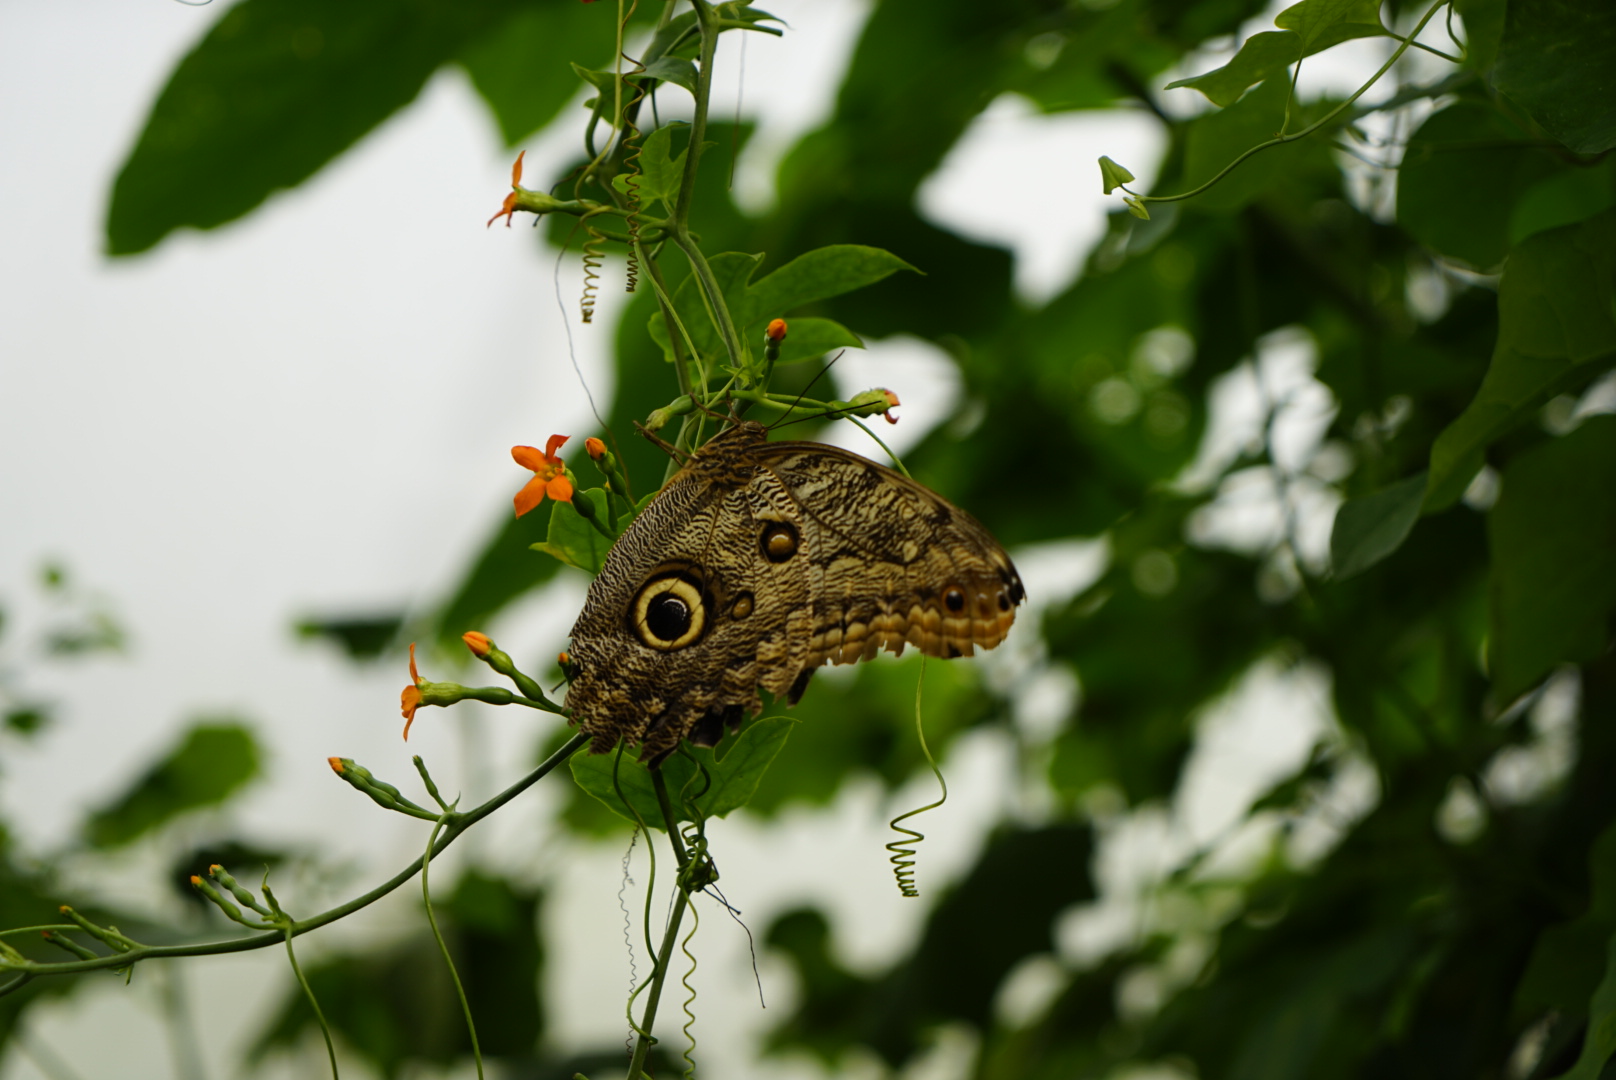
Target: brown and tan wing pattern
892, 563
690, 615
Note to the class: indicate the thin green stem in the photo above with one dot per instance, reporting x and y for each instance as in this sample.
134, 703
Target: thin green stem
443, 947
314, 1003
644, 1039
660, 786
698, 124
1305, 132
455, 825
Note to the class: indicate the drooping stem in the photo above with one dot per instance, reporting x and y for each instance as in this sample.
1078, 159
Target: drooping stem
455, 825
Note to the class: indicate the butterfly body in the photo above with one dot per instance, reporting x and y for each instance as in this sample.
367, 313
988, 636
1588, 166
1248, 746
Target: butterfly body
757, 563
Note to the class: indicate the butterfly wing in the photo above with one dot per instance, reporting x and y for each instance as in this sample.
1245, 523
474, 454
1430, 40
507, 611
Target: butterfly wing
891, 563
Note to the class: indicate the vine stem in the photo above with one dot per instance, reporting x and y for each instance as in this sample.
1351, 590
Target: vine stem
664, 960
1311, 128
455, 825
443, 946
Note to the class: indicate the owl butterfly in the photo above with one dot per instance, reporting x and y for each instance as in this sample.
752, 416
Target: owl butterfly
760, 561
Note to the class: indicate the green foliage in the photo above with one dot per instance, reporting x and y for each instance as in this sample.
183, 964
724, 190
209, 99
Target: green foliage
273, 92
572, 539
1399, 947
717, 780
1553, 538
214, 760
815, 276
1555, 60
1371, 527
1556, 332
360, 637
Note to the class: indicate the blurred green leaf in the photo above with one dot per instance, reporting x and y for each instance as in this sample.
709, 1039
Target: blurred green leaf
1557, 60
573, 540
521, 69
1553, 535
672, 69
1325, 23
1371, 527
1599, 1044
361, 637
276, 89
1556, 329
1462, 174
1564, 199
1569, 958
1214, 140
214, 761
27, 720
502, 571
733, 770
1260, 57
810, 339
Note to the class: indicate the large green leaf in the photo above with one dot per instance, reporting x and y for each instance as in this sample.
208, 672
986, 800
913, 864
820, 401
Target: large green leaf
1553, 534
1556, 328
1324, 23
1306, 28
1557, 60
214, 761
505, 569
1462, 174
733, 770
1214, 140
275, 90
1599, 1044
522, 71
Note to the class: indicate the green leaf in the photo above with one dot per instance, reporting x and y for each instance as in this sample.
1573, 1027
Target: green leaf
503, 570
809, 339
1484, 23
1599, 1044
214, 761
1556, 328
734, 776
673, 69
818, 275
1112, 175
275, 90
1557, 60
520, 71
1325, 23
573, 540
1553, 539
660, 172
361, 637
1462, 173
1371, 527
1564, 199
1218, 138
1261, 56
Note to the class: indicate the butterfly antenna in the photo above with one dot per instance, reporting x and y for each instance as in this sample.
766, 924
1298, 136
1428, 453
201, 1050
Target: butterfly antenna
751, 944
820, 375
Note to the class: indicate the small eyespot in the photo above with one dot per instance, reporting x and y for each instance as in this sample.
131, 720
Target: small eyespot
742, 607
954, 599
669, 613
778, 541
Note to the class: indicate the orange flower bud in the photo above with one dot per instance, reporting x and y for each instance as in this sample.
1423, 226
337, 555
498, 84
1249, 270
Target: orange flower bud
776, 331
892, 403
595, 448
336, 764
563, 658
195, 880
477, 643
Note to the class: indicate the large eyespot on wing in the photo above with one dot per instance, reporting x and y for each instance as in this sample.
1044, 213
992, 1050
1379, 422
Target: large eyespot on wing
670, 611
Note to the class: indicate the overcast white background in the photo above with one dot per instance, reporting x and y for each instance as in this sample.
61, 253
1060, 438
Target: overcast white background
310, 411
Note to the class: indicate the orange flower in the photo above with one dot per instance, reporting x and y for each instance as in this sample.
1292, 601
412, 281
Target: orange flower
893, 403
549, 475
508, 209
410, 699
478, 643
775, 331
594, 447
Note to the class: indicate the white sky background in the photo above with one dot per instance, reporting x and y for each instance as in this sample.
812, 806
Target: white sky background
310, 411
